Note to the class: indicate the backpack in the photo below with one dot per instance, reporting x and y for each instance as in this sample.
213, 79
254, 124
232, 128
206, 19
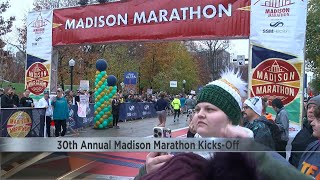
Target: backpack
275, 131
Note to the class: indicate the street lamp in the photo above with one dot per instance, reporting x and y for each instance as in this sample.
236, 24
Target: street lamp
184, 85
71, 65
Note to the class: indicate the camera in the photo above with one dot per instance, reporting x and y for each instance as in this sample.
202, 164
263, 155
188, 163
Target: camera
161, 132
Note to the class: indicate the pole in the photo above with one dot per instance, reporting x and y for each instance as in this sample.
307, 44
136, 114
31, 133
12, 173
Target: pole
71, 76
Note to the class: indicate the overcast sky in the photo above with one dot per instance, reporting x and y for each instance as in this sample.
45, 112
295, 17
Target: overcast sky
20, 8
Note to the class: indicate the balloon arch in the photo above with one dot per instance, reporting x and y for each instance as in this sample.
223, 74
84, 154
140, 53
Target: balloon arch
276, 29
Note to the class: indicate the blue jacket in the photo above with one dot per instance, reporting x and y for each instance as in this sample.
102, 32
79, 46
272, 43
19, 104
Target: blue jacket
60, 109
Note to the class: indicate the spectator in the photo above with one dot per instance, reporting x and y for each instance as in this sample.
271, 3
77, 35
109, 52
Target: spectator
1, 92
282, 121
115, 111
310, 160
6, 98
15, 97
45, 102
91, 97
182, 102
60, 113
252, 109
304, 136
26, 101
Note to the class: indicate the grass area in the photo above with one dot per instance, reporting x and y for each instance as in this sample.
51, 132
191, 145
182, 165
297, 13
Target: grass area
20, 86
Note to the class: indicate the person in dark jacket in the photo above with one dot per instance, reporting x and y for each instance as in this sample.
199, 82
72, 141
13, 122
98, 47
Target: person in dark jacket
15, 97
304, 136
115, 111
6, 99
1, 92
310, 160
252, 110
26, 101
282, 121
160, 107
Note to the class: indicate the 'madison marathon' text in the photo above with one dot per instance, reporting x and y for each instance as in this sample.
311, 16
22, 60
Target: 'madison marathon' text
163, 15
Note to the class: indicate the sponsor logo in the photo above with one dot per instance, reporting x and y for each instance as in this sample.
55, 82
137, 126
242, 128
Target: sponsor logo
19, 124
276, 78
131, 76
276, 24
37, 78
269, 31
275, 3
131, 108
38, 39
276, 8
39, 24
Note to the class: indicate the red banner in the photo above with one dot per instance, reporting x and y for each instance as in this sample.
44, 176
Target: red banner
141, 20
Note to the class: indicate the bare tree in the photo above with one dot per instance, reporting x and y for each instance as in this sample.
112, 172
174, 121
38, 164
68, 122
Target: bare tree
216, 55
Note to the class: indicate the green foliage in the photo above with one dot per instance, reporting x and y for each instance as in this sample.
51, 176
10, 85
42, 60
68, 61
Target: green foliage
313, 41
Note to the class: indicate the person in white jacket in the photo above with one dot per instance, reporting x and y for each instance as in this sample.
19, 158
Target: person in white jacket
45, 102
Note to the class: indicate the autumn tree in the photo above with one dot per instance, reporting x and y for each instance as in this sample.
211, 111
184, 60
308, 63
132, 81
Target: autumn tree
164, 62
6, 58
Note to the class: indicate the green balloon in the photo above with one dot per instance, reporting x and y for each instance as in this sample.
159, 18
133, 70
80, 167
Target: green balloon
110, 118
98, 116
98, 104
105, 123
100, 126
103, 86
103, 72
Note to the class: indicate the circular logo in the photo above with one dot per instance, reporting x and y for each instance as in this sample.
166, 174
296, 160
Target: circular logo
37, 78
276, 78
19, 124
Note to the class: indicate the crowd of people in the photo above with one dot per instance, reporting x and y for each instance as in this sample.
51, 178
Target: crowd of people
222, 110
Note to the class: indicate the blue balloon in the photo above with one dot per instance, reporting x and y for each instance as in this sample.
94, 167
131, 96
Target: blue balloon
112, 80
101, 65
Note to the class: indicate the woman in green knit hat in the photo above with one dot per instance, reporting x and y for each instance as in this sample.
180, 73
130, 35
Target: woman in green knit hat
217, 114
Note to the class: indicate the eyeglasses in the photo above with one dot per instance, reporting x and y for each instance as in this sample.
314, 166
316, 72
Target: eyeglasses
245, 107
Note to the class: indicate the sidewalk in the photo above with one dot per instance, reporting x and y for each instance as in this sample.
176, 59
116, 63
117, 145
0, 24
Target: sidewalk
135, 128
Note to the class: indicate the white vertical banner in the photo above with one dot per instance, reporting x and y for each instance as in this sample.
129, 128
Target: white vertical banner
39, 52
277, 42
279, 24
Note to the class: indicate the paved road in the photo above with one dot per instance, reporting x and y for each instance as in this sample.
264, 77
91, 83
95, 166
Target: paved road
134, 128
